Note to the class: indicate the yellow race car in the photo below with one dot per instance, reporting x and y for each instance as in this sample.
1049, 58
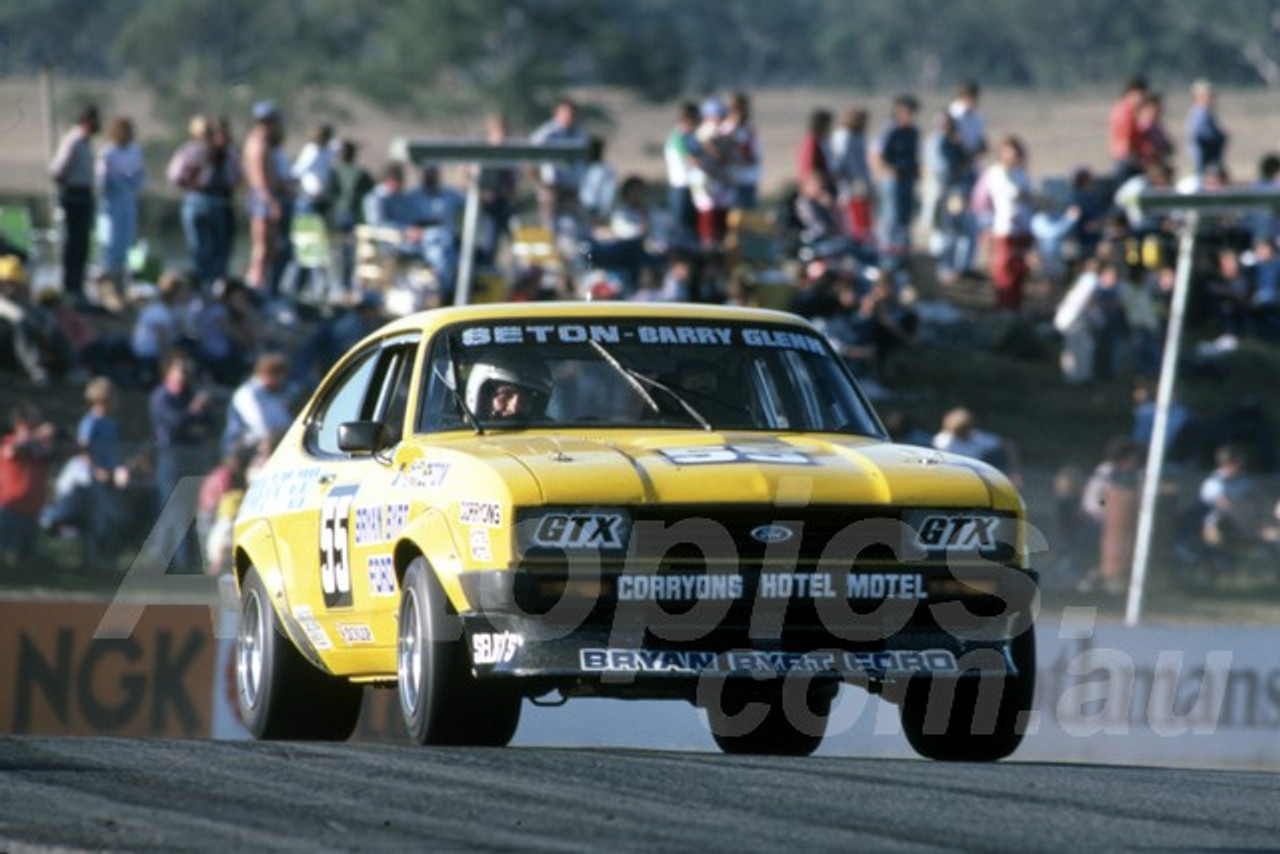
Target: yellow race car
555, 500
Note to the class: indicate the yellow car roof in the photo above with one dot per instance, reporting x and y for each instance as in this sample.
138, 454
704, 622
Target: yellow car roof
433, 319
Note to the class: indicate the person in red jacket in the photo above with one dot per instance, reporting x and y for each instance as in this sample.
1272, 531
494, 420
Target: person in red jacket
25, 455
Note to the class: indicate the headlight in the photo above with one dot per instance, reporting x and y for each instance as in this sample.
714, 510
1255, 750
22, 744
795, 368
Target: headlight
570, 530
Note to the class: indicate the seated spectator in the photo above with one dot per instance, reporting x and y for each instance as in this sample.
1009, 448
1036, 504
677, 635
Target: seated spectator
332, 339
1264, 300
82, 348
1183, 430
821, 230
157, 330
227, 332
260, 408
599, 184
27, 338
436, 211
621, 249
1227, 519
388, 205
25, 453
86, 499
960, 435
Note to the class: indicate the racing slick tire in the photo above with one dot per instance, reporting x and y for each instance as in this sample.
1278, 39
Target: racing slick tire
440, 698
964, 727
279, 693
787, 728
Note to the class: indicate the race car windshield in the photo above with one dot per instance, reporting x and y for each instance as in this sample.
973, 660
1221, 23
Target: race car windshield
637, 373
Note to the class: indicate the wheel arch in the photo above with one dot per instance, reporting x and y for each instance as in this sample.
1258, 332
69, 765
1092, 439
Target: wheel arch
430, 537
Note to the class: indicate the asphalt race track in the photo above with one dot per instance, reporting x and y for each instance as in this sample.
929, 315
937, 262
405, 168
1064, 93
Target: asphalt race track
73, 794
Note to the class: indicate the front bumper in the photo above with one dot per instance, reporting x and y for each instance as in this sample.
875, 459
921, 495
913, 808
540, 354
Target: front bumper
587, 641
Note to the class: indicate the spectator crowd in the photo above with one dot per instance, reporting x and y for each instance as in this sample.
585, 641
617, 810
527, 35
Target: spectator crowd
217, 348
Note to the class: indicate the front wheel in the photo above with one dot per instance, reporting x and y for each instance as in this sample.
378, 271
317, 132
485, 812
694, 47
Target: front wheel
971, 723
279, 693
441, 700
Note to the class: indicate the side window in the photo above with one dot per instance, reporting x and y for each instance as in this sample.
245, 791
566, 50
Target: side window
395, 368
343, 401
438, 408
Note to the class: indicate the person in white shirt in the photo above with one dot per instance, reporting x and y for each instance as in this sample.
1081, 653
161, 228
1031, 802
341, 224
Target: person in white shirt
312, 170
1004, 194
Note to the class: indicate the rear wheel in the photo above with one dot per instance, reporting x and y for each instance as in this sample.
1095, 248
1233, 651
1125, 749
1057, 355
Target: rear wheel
971, 724
280, 694
442, 702
785, 718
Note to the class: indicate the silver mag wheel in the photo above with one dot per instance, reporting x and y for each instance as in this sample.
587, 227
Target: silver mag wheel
250, 641
280, 694
409, 654
442, 700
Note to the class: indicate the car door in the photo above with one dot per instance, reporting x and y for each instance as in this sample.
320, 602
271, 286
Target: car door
366, 516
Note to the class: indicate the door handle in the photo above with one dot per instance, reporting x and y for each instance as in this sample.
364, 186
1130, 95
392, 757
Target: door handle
325, 479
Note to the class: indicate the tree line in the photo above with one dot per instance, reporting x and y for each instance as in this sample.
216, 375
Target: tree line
415, 56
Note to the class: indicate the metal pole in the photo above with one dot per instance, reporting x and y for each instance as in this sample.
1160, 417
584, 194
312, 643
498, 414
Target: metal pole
1164, 397
470, 223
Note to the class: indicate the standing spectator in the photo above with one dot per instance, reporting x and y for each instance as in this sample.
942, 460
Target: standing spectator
972, 131
1110, 324
226, 152
24, 480
681, 154
349, 183
1123, 129
853, 175
202, 170
266, 200
1007, 190
711, 185
558, 183
947, 210
814, 156
970, 125
1153, 144
181, 421
1108, 514
312, 171
121, 174
897, 153
72, 170
498, 185
260, 408
745, 156
1206, 138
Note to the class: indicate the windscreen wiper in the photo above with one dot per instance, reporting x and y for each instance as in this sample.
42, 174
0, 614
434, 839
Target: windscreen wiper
638, 381
451, 382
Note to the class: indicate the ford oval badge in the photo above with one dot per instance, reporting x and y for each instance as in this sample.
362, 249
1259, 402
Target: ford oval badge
772, 534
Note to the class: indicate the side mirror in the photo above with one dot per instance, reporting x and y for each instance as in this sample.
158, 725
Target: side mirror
362, 437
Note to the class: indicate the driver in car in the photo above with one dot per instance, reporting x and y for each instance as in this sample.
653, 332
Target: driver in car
503, 387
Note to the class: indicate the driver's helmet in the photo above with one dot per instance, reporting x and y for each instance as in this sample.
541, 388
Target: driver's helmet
491, 370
